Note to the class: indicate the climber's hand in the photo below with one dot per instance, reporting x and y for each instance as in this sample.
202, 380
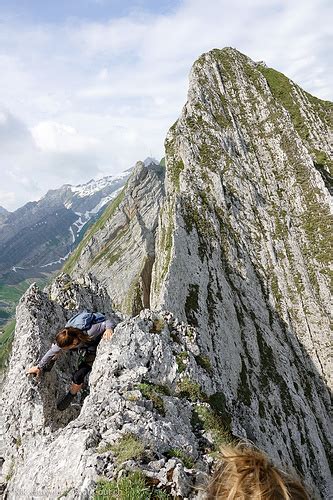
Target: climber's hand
108, 334
34, 370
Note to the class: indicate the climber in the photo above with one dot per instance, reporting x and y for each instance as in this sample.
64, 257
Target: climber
245, 472
82, 333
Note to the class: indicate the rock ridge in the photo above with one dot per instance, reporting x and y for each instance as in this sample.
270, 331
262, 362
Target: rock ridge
246, 226
120, 251
147, 384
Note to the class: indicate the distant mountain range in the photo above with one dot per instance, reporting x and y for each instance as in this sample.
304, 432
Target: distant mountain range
38, 237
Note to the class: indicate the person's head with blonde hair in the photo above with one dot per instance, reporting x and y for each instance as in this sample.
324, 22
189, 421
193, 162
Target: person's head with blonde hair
247, 474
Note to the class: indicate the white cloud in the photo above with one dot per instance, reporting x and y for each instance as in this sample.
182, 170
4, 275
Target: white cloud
90, 98
7, 198
28, 171
112, 38
59, 138
104, 74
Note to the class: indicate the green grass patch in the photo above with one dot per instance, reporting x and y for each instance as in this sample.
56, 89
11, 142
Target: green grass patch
6, 341
10, 296
182, 361
175, 164
13, 293
107, 214
160, 495
104, 449
174, 170
205, 363
129, 447
206, 418
149, 391
158, 325
190, 390
187, 460
282, 89
131, 487
324, 166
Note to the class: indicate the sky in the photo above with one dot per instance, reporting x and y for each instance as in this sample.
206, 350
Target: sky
89, 87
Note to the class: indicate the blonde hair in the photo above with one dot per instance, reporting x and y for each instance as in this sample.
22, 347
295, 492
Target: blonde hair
247, 474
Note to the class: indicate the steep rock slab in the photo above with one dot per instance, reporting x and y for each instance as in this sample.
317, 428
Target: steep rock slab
244, 251
40, 315
28, 413
149, 386
120, 249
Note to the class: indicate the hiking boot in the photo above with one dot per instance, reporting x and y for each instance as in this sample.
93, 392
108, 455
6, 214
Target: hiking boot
64, 402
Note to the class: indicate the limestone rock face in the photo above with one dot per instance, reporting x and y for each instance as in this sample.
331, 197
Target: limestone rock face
120, 248
146, 386
244, 250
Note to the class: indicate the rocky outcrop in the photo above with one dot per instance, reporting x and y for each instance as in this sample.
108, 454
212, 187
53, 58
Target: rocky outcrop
152, 406
244, 250
120, 249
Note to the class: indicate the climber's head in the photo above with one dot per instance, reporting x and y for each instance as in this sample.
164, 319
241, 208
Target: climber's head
245, 472
70, 337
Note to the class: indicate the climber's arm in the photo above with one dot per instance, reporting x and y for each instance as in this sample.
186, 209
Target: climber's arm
110, 324
104, 328
52, 354
107, 334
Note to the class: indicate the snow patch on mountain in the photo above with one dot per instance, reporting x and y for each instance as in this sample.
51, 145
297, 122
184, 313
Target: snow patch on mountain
84, 218
93, 186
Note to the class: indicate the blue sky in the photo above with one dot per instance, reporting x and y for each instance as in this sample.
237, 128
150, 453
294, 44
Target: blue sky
59, 11
88, 87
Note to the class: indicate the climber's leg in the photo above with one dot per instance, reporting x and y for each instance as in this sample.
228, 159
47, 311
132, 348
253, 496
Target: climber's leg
75, 388
77, 384
65, 401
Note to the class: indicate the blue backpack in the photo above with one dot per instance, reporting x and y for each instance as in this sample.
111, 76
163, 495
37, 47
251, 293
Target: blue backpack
85, 319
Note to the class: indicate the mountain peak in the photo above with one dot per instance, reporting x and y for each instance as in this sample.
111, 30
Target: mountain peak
149, 160
3, 211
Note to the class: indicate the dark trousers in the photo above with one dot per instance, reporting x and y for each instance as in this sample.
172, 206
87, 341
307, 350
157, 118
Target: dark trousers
84, 367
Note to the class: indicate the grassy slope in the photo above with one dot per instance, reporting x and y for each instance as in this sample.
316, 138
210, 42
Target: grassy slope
10, 295
109, 211
6, 340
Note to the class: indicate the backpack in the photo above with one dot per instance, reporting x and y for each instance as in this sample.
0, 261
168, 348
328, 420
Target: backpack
85, 319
